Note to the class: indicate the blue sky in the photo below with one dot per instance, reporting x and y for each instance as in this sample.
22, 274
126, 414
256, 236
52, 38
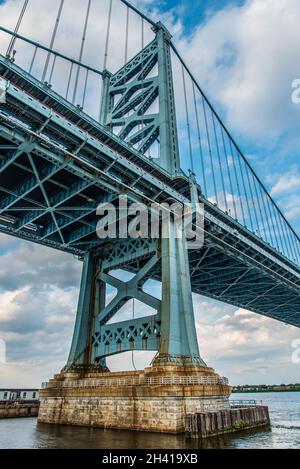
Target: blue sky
246, 68
191, 13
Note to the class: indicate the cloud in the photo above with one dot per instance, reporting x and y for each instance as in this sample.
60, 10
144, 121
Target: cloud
37, 318
286, 188
286, 183
247, 67
243, 62
248, 347
27, 264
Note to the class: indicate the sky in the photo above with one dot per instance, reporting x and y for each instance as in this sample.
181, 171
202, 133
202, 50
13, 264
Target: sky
245, 55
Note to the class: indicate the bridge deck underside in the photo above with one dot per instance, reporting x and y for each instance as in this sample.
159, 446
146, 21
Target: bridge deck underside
56, 168
221, 276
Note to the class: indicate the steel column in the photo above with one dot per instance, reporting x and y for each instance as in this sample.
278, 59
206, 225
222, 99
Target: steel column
169, 152
90, 301
178, 343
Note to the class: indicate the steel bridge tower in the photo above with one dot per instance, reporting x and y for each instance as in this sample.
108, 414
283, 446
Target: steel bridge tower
58, 163
172, 330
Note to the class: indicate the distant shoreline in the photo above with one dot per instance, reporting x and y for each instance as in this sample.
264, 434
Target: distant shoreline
266, 391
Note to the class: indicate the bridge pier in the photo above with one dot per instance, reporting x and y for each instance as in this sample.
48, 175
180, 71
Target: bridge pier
177, 382
156, 399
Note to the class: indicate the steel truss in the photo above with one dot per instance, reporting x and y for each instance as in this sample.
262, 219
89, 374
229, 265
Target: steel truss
56, 166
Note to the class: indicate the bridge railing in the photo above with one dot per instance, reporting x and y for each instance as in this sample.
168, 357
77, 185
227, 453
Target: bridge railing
152, 381
238, 404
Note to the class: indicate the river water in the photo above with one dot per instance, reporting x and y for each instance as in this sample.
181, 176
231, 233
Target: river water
285, 432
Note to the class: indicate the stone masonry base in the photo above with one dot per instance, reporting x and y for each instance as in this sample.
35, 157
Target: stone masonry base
155, 400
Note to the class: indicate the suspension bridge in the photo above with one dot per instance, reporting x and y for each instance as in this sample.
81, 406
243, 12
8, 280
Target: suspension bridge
124, 115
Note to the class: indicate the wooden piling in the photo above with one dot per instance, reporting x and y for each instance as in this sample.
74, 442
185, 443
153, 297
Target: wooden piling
203, 425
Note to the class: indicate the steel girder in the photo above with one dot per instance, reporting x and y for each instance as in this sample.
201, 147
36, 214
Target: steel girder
80, 165
129, 94
171, 331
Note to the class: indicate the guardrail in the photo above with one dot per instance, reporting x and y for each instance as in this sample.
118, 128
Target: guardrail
152, 381
19, 402
244, 403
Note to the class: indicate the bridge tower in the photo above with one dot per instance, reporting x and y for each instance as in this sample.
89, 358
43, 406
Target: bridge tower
183, 379
172, 331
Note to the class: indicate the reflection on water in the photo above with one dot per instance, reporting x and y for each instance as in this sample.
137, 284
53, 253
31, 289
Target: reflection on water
285, 433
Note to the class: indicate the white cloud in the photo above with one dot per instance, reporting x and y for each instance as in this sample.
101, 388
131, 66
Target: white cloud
286, 183
8, 308
242, 334
247, 66
248, 347
286, 188
27, 264
246, 58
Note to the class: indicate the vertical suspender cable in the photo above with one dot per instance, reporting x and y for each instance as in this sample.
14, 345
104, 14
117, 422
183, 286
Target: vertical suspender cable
262, 223
297, 246
276, 226
290, 249
52, 69
14, 38
219, 160
276, 209
199, 140
250, 197
69, 80
229, 175
85, 88
143, 33
286, 252
266, 217
237, 182
126, 36
187, 119
272, 224
283, 240
107, 35
107, 44
209, 149
255, 203
53, 39
292, 244
33, 59
82, 49
244, 185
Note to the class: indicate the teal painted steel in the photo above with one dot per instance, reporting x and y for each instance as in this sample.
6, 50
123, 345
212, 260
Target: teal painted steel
169, 153
81, 348
178, 332
57, 164
39, 45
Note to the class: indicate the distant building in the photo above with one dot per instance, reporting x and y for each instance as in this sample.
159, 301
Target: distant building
19, 395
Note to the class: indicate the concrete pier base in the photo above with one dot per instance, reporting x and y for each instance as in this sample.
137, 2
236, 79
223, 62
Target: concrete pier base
15, 410
156, 399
